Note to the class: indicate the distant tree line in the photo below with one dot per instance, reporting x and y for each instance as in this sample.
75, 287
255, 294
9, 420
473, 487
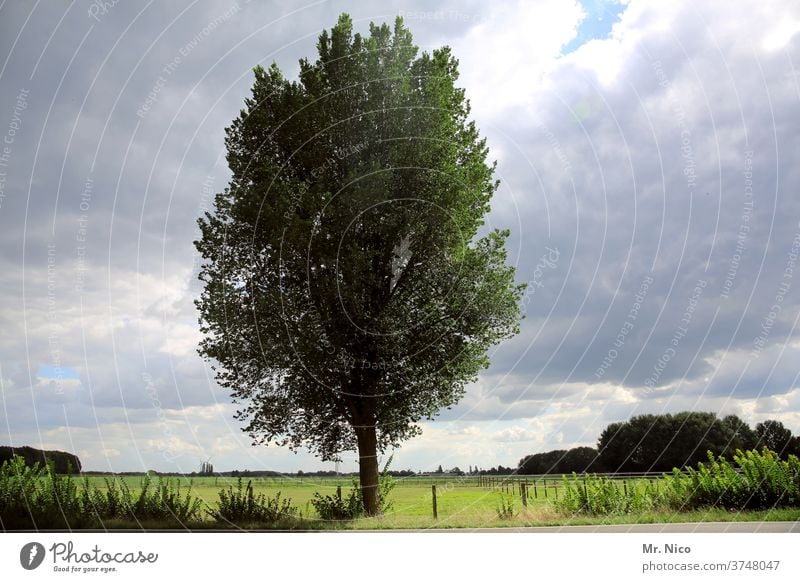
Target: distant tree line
578, 460
661, 442
499, 470
62, 462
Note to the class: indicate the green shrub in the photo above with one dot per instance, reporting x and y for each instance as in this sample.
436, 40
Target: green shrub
63, 462
760, 480
505, 508
241, 505
33, 497
36, 497
336, 507
755, 480
593, 495
351, 506
164, 502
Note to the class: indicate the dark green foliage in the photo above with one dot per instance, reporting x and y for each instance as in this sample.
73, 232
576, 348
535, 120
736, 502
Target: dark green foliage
62, 462
742, 436
334, 507
776, 437
35, 497
499, 470
576, 460
593, 495
661, 442
242, 506
754, 481
164, 502
351, 505
346, 293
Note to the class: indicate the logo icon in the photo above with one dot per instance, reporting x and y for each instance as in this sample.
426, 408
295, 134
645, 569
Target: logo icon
31, 555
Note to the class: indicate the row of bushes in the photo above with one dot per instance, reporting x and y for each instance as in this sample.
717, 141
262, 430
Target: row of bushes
63, 462
755, 480
37, 497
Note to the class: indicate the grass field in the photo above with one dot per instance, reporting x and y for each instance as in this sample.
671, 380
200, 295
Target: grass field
755, 486
457, 499
461, 503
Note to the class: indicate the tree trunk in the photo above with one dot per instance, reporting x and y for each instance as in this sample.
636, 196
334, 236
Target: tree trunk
368, 468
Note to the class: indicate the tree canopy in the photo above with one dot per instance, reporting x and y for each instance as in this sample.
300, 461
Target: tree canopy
347, 293
575, 460
62, 462
776, 437
662, 442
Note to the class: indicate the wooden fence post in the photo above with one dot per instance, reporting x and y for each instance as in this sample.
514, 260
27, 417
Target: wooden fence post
535, 492
625, 487
545, 487
339, 492
433, 495
524, 491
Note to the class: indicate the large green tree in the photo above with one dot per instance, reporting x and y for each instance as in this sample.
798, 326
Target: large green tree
347, 293
775, 436
660, 442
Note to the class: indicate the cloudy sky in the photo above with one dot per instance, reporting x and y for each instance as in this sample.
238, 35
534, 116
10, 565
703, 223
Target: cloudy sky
648, 153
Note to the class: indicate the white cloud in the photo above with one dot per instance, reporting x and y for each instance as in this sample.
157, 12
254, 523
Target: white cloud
506, 54
591, 162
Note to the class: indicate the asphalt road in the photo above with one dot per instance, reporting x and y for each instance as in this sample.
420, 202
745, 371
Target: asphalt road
710, 527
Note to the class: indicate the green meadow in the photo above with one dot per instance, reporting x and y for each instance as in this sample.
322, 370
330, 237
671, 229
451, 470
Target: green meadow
755, 486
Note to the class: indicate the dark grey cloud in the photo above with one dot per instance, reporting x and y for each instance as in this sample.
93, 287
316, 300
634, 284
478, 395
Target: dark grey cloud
623, 169
646, 178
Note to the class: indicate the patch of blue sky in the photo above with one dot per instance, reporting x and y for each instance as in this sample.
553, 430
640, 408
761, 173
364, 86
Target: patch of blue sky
48, 372
600, 17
